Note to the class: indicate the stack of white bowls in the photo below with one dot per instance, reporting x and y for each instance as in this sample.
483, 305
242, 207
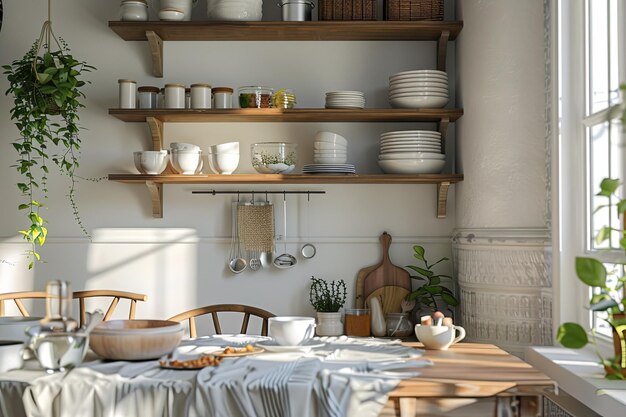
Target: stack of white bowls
186, 158
244, 10
345, 100
330, 153
224, 158
418, 89
151, 162
411, 152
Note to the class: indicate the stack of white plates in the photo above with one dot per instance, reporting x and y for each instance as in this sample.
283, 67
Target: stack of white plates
411, 152
418, 89
345, 100
331, 169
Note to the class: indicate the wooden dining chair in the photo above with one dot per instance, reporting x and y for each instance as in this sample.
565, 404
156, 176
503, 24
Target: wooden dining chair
17, 298
222, 308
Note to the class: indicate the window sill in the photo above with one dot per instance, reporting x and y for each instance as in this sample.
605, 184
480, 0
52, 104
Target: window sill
579, 374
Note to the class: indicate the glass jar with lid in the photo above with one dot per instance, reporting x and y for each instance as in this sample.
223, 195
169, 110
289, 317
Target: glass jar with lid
255, 97
399, 325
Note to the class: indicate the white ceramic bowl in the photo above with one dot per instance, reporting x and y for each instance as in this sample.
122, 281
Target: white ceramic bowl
330, 159
133, 340
412, 166
187, 162
224, 163
330, 153
409, 90
411, 155
228, 147
183, 5
181, 146
291, 330
326, 146
14, 327
418, 102
172, 15
151, 162
331, 137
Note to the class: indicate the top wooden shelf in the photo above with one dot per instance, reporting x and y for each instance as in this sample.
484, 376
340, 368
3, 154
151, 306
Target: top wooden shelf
288, 31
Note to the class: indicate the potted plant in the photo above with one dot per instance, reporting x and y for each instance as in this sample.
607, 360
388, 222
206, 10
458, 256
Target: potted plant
607, 286
46, 87
431, 296
327, 299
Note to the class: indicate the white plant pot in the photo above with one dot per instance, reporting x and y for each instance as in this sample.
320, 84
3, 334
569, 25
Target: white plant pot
329, 324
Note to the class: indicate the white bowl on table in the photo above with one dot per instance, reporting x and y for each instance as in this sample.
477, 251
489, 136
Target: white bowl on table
14, 327
412, 166
291, 330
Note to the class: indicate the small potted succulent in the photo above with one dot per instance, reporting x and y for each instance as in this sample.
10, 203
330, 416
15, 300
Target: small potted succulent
328, 299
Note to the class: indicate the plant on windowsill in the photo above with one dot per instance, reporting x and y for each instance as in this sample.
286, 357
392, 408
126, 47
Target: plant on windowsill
607, 284
431, 296
327, 299
46, 87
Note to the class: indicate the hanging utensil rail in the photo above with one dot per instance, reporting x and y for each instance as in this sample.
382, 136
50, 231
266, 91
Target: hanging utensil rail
215, 192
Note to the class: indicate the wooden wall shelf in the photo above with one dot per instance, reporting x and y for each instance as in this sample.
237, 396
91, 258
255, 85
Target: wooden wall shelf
155, 183
157, 32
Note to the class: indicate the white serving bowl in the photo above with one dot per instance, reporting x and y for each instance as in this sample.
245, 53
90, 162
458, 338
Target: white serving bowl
187, 162
151, 162
418, 102
181, 146
14, 327
172, 15
411, 155
133, 340
331, 137
324, 146
330, 159
224, 163
412, 166
291, 330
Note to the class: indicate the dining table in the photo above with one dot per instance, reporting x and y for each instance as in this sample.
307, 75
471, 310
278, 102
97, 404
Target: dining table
337, 376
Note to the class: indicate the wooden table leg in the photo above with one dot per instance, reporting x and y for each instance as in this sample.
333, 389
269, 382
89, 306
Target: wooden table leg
408, 407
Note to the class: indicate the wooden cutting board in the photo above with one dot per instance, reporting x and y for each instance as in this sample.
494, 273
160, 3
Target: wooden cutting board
384, 280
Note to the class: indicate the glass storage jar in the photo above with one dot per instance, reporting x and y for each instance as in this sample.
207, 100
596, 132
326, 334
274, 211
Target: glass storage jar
399, 325
251, 97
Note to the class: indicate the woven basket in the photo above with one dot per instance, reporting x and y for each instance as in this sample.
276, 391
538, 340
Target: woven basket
346, 10
413, 10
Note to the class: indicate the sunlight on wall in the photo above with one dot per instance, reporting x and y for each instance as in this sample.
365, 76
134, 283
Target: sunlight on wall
14, 272
161, 263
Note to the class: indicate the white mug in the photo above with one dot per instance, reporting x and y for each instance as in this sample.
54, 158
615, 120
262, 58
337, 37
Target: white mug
291, 330
439, 337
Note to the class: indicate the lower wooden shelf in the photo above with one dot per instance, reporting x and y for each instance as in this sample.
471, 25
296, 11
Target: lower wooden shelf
155, 182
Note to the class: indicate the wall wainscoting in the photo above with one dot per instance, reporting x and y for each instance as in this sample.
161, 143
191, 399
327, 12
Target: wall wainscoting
505, 285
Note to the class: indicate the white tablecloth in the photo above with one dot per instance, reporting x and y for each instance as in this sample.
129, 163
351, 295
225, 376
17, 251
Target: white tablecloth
345, 377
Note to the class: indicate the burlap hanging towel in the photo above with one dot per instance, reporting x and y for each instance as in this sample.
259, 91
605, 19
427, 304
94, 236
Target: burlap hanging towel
256, 226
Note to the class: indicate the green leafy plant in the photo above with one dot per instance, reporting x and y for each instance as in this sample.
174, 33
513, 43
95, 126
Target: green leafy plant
325, 297
46, 88
607, 284
431, 293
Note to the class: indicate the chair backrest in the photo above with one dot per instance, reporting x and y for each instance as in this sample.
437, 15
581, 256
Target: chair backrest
17, 297
219, 308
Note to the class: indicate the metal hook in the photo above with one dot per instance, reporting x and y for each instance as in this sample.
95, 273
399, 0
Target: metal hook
284, 195
308, 196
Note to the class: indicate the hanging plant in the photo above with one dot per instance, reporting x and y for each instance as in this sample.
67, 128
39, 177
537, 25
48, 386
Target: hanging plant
45, 85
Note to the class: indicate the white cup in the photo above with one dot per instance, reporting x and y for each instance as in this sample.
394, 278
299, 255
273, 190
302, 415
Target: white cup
291, 330
11, 355
439, 337
187, 162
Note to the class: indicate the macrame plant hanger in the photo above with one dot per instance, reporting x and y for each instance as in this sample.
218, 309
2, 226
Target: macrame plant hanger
45, 38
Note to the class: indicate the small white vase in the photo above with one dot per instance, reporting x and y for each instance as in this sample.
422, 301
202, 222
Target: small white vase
329, 324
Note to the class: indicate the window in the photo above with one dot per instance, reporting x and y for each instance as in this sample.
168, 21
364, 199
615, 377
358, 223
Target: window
592, 58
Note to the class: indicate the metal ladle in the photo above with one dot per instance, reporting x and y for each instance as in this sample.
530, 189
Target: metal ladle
308, 249
285, 260
237, 263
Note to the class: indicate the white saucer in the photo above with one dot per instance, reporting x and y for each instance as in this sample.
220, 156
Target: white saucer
272, 346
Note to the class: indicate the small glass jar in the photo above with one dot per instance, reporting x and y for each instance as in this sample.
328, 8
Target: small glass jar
174, 96
148, 97
357, 321
251, 97
284, 99
128, 94
59, 307
200, 96
222, 98
399, 325
187, 98
133, 10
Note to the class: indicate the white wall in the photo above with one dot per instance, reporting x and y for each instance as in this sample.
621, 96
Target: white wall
180, 260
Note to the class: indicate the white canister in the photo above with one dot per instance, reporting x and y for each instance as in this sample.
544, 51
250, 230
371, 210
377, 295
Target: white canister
133, 10
223, 98
182, 5
128, 94
148, 97
174, 96
200, 96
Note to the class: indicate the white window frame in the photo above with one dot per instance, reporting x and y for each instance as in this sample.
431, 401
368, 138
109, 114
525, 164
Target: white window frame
570, 191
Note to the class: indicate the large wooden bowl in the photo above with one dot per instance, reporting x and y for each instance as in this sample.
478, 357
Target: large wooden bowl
133, 340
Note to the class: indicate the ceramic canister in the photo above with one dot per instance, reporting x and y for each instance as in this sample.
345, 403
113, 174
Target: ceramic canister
200, 96
128, 94
174, 96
